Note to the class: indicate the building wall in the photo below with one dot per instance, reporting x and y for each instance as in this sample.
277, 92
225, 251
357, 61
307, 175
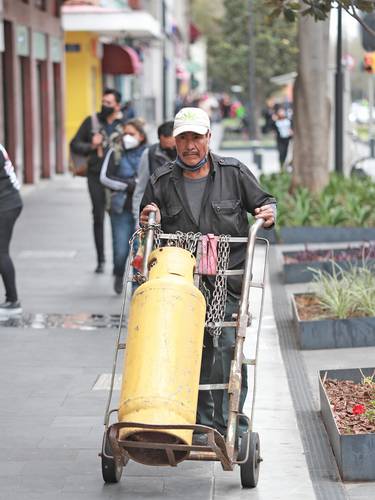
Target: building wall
83, 78
32, 93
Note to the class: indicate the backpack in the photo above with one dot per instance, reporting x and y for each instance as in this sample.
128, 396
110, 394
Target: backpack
77, 162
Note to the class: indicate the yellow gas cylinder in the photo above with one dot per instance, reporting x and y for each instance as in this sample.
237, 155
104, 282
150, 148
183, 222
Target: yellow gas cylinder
163, 355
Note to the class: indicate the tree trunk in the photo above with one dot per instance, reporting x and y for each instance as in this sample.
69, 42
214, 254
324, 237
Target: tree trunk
312, 107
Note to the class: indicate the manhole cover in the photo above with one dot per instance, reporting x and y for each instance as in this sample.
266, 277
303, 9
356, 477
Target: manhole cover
79, 321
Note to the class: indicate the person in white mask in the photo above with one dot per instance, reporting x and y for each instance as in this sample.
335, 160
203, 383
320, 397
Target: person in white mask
119, 173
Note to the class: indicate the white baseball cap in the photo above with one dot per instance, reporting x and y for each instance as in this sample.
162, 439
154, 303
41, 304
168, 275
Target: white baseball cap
191, 120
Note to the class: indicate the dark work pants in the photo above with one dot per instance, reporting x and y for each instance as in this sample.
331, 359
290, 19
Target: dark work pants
8, 274
97, 195
282, 147
213, 406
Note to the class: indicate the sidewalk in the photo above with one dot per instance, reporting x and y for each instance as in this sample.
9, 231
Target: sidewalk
51, 419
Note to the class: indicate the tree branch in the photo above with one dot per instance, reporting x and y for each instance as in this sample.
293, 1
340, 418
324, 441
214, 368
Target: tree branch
354, 14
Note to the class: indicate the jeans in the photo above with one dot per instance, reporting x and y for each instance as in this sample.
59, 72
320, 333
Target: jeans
97, 195
213, 406
123, 226
7, 271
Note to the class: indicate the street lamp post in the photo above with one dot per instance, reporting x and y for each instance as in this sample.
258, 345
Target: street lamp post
251, 109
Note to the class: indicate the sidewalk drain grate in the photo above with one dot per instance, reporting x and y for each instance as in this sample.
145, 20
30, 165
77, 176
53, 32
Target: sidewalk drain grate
79, 321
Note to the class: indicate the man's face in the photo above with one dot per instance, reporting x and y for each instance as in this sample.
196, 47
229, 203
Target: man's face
109, 100
167, 142
192, 147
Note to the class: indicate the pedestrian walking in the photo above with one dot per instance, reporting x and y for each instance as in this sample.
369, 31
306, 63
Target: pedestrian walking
153, 157
203, 192
90, 141
284, 132
10, 209
119, 173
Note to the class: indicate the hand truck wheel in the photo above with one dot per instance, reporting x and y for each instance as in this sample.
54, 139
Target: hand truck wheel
111, 468
250, 469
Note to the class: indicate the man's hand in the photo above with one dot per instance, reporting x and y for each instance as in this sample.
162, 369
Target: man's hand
266, 212
96, 140
152, 207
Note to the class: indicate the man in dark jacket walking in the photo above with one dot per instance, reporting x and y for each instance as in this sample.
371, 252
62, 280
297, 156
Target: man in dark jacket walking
206, 193
91, 143
155, 156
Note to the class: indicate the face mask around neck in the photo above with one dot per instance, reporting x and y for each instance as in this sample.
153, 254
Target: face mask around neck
130, 142
193, 168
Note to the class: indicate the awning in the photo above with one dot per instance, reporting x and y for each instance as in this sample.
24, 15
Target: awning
120, 60
104, 20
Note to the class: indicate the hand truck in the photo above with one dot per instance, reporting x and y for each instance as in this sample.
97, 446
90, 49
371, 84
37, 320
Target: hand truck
114, 456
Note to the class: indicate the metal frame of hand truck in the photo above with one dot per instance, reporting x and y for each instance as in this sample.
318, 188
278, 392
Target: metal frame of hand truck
114, 450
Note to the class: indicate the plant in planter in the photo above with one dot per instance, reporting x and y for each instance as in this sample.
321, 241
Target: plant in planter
299, 266
347, 400
306, 217
342, 311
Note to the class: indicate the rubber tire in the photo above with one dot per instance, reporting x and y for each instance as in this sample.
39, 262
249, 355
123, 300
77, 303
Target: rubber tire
111, 470
250, 469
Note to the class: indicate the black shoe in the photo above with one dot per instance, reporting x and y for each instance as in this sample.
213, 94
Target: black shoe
10, 308
118, 285
200, 439
99, 268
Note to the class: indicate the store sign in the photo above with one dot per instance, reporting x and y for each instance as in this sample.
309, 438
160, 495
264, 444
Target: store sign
22, 41
72, 47
40, 46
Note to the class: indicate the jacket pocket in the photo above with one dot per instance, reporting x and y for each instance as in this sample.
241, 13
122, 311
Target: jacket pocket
228, 215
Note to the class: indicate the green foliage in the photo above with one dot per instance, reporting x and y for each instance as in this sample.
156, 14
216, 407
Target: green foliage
345, 202
346, 293
318, 9
228, 45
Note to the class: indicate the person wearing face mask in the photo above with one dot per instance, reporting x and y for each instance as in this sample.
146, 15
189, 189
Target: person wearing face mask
91, 140
155, 156
207, 193
119, 173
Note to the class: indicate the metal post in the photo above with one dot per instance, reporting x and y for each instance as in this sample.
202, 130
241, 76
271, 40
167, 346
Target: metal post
371, 115
339, 122
251, 109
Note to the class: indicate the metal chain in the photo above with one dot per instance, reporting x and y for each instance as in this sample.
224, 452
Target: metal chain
216, 308
187, 241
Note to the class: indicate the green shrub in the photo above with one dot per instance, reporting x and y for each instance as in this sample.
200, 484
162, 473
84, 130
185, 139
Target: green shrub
346, 293
345, 201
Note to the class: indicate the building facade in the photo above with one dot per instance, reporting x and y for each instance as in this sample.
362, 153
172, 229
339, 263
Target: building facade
131, 45
31, 95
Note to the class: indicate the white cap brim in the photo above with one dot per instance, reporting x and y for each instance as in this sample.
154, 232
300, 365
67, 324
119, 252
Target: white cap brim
198, 129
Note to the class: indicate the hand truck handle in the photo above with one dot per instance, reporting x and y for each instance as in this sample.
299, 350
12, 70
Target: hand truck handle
149, 243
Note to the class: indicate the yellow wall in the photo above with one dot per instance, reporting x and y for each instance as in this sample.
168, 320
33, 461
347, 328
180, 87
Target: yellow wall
83, 80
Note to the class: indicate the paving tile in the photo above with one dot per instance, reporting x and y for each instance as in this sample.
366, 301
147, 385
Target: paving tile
127, 486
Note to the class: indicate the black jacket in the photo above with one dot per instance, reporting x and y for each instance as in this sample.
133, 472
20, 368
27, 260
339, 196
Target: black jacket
81, 142
231, 192
9, 186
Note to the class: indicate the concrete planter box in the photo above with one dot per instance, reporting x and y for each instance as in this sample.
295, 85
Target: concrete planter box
334, 333
355, 453
306, 234
299, 272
